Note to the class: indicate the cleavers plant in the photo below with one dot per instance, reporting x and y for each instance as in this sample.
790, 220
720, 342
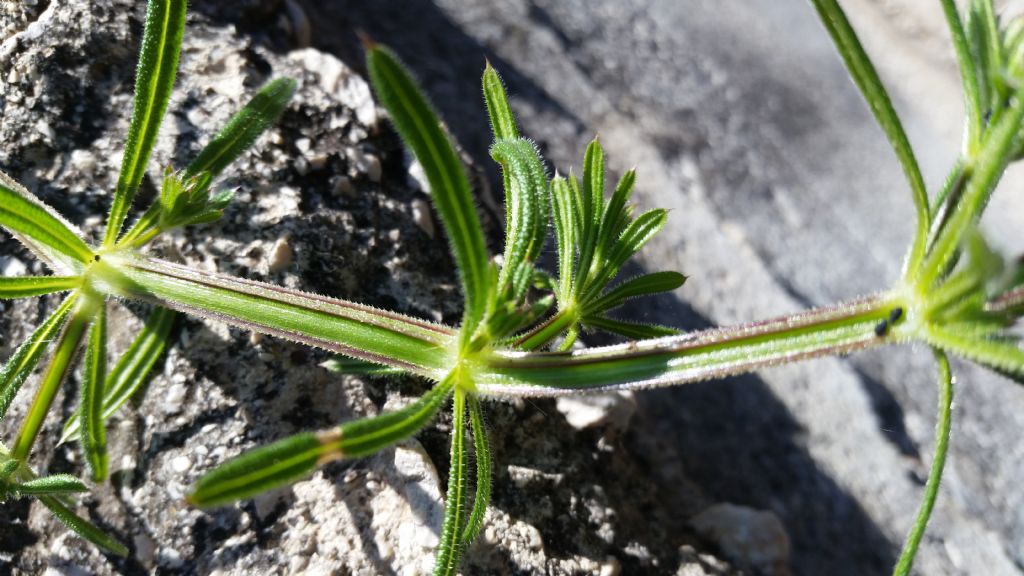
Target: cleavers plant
520, 323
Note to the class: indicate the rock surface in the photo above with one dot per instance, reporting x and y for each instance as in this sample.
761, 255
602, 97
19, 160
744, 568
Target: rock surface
738, 116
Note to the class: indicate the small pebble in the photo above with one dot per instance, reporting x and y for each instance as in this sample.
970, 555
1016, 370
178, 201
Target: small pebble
174, 398
281, 255
611, 567
181, 464
422, 216
342, 186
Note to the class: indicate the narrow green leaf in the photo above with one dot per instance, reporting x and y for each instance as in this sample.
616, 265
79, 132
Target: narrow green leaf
989, 165
563, 216
366, 436
931, 488
991, 46
131, 372
57, 484
503, 122
131, 375
547, 331
866, 78
593, 209
94, 436
356, 367
265, 468
352, 329
243, 129
482, 453
82, 527
7, 469
295, 457
144, 229
581, 216
976, 30
60, 365
613, 212
638, 233
449, 551
25, 286
1002, 356
41, 229
527, 229
26, 357
419, 127
631, 330
969, 77
652, 283
154, 80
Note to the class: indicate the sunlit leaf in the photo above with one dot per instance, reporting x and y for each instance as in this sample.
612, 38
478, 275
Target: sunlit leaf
25, 286
295, 457
356, 367
482, 455
647, 284
128, 377
503, 122
154, 80
41, 229
527, 228
631, 330
94, 434
419, 127
57, 484
242, 130
449, 550
26, 357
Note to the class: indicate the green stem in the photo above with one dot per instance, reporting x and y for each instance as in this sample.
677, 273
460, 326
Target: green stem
931, 488
986, 170
547, 331
67, 345
145, 225
352, 329
713, 353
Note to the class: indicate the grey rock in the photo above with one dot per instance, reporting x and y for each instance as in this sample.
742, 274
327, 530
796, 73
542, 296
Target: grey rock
750, 538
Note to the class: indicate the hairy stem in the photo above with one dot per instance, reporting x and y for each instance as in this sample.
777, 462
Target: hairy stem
546, 331
931, 488
352, 329
693, 357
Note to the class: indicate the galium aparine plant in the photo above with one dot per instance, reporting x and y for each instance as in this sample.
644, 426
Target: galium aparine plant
520, 322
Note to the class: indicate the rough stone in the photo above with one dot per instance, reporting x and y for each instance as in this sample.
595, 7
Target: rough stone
613, 410
750, 538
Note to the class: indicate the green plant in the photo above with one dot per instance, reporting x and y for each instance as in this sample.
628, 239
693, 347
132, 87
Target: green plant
955, 294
